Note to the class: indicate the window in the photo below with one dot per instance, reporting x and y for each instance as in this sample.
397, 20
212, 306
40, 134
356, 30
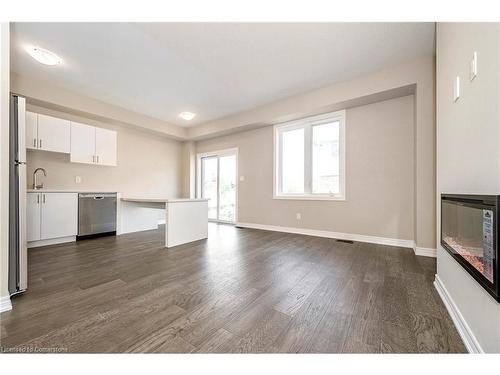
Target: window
309, 158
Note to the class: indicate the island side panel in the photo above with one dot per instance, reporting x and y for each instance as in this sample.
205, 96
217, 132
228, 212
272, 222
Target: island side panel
167, 223
186, 222
138, 216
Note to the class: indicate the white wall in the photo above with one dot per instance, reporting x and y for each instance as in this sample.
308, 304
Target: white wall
4, 158
468, 154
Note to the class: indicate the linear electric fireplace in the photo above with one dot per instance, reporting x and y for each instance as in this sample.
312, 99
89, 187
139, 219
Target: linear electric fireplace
469, 232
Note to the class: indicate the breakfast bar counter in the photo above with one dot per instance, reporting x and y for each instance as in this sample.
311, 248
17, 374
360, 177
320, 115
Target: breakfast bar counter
186, 220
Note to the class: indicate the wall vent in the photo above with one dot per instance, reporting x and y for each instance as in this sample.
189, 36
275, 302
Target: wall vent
345, 241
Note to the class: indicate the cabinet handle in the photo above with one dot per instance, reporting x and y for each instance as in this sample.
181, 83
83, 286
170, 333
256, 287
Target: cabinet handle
97, 159
34, 142
40, 143
93, 158
38, 199
44, 198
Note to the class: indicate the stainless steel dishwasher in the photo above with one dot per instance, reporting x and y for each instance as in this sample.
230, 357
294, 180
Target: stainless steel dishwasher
96, 214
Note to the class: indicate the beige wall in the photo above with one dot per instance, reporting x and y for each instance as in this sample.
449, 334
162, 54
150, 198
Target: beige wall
188, 169
53, 96
379, 176
148, 165
468, 153
418, 73
4, 157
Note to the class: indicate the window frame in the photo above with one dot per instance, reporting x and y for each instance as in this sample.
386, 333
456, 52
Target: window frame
307, 124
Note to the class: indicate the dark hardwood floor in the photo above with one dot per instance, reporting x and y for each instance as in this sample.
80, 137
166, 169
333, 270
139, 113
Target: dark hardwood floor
242, 291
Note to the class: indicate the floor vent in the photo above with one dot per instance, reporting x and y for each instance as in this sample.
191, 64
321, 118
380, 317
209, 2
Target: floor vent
345, 241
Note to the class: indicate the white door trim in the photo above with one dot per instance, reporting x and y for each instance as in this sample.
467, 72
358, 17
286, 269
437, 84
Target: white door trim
218, 153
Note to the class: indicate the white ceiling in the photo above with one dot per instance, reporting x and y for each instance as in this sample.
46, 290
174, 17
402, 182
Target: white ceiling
212, 69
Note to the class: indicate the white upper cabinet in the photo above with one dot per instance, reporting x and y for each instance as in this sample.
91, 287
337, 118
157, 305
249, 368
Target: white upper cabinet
82, 143
93, 145
105, 146
53, 134
31, 130
47, 133
85, 143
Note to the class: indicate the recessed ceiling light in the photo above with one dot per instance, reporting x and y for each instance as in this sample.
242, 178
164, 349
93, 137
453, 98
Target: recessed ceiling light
43, 56
187, 115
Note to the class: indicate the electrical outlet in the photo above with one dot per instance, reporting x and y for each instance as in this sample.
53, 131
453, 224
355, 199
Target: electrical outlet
298, 216
242, 178
78, 179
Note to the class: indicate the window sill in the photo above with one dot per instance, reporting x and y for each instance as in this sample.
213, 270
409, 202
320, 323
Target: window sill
309, 197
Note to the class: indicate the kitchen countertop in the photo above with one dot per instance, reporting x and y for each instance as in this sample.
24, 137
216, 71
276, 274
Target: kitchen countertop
161, 200
69, 191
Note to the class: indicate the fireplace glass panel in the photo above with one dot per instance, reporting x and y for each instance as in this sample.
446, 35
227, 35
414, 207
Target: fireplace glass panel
468, 231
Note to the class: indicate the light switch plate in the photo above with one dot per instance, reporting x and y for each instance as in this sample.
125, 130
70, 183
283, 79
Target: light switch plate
78, 179
242, 178
456, 89
473, 66
298, 216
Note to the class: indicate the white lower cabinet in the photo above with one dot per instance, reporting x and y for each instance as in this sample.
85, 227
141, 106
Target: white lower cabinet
51, 215
33, 209
59, 216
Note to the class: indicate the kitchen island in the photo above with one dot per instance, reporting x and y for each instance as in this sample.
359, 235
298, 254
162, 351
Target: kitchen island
186, 220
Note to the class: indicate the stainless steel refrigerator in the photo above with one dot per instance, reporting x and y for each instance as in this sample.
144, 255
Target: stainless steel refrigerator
18, 253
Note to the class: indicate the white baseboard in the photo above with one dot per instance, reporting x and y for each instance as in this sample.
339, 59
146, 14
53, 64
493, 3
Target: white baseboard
5, 304
425, 251
463, 328
329, 234
52, 241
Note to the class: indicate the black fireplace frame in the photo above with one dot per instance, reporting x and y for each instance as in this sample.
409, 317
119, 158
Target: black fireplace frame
478, 201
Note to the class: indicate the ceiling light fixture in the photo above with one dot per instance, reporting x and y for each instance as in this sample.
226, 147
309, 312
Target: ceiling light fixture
43, 56
187, 115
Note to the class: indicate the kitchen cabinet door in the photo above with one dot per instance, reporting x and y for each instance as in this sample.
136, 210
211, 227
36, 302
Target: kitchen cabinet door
31, 130
59, 215
105, 146
33, 205
82, 143
53, 134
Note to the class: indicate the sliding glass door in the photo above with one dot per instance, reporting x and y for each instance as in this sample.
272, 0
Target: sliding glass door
218, 184
210, 185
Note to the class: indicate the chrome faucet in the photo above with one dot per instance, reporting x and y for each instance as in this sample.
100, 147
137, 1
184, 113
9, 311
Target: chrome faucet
35, 185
